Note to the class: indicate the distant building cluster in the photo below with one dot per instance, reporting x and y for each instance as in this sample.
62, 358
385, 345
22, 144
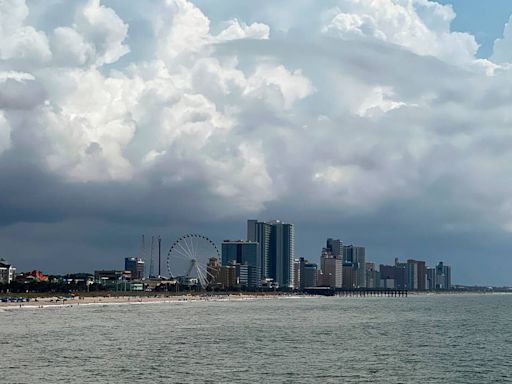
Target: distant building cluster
415, 275
264, 260
8, 275
345, 267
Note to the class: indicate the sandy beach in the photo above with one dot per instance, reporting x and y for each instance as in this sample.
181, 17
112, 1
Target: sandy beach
92, 300
65, 301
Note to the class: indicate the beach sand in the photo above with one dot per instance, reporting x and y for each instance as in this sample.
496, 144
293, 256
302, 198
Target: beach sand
60, 301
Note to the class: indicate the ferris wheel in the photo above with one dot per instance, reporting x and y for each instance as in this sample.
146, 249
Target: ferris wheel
188, 258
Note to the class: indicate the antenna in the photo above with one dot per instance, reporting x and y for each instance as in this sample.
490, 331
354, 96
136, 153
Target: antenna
143, 249
159, 256
151, 266
143, 252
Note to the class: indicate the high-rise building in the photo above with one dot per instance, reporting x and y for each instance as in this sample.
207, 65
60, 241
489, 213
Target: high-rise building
335, 247
278, 256
247, 276
356, 256
411, 269
401, 275
282, 253
431, 279
448, 276
349, 279
443, 276
411, 275
422, 275
260, 232
360, 264
245, 256
416, 275
332, 270
372, 276
241, 252
394, 274
308, 274
296, 274
135, 266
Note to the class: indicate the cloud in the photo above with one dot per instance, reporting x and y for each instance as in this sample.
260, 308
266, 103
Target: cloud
70, 48
502, 50
182, 29
379, 101
236, 30
419, 25
19, 42
372, 112
96, 36
291, 86
103, 28
20, 91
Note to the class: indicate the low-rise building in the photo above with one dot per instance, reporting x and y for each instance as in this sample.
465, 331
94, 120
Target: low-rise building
104, 275
213, 269
32, 277
7, 272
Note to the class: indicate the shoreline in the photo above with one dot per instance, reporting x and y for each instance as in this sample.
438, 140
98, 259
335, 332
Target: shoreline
58, 301
62, 301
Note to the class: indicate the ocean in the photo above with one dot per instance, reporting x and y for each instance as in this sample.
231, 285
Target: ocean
420, 339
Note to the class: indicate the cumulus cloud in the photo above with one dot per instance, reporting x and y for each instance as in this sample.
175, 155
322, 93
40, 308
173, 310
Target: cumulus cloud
103, 28
371, 113
20, 42
182, 29
422, 26
95, 37
290, 86
502, 51
236, 30
70, 49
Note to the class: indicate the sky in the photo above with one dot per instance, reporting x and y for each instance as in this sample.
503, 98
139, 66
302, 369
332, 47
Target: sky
385, 123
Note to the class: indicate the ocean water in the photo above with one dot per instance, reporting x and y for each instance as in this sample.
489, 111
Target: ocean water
419, 339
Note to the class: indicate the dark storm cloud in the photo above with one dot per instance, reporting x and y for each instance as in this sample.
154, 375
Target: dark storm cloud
159, 118
33, 195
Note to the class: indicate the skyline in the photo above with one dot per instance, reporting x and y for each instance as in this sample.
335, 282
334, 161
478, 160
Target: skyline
385, 124
258, 233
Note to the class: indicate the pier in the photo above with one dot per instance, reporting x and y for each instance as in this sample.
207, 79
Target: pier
372, 292
361, 292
